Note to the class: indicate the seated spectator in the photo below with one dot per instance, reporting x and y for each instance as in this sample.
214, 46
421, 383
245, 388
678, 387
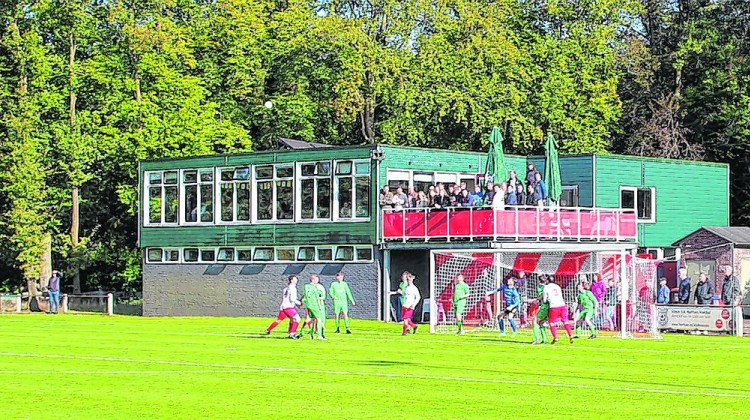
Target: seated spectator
511, 199
540, 189
520, 194
513, 180
422, 200
475, 198
530, 196
386, 198
441, 200
530, 173
463, 199
399, 199
498, 198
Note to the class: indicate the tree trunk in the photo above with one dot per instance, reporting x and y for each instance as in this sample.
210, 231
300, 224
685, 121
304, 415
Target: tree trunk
74, 216
367, 115
45, 271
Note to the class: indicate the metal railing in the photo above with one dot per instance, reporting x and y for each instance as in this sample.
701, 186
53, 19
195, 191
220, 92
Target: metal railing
512, 222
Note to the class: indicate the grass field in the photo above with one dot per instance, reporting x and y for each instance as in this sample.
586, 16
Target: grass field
90, 366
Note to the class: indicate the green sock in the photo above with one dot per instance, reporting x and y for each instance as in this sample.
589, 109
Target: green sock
578, 330
544, 335
592, 329
337, 322
460, 325
537, 332
346, 322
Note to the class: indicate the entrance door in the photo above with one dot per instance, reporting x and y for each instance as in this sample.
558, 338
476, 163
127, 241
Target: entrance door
696, 267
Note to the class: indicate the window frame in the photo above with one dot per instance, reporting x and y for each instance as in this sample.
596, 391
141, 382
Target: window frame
235, 188
274, 193
298, 191
147, 185
353, 176
576, 194
636, 202
198, 183
333, 249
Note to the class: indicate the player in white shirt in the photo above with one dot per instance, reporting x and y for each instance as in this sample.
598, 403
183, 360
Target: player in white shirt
411, 300
289, 302
558, 309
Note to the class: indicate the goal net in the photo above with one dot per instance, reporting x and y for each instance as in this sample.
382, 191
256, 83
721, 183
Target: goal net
486, 270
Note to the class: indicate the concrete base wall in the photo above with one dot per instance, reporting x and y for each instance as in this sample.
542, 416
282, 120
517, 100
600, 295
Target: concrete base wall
195, 290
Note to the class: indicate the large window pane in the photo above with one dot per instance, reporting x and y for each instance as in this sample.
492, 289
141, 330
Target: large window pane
207, 175
285, 254
264, 172
324, 198
644, 204
284, 200
345, 197
265, 200
154, 205
208, 255
189, 177
343, 168
154, 255
308, 169
227, 174
243, 201
344, 253
207, 203
363, 196
362, 168
190, 255
244, 255
263, 254
154, 178
170, 204
307, 204
284, 172
627, 199
306, 253
191, 203
227, 202
170, 177
325, 254
225, 255
364, 254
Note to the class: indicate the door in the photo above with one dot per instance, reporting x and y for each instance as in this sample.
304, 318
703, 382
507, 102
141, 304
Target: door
744, 276
695, 268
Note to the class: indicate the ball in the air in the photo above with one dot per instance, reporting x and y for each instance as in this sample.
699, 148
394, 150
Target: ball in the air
268, 104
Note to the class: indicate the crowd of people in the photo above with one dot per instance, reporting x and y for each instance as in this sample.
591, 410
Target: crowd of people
532, 191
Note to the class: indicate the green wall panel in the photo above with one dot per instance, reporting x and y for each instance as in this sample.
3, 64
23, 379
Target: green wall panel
574, 170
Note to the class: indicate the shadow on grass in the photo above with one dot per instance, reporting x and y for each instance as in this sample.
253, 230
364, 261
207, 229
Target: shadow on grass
385, 363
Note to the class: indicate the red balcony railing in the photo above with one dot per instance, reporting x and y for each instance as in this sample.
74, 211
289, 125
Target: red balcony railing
519, 223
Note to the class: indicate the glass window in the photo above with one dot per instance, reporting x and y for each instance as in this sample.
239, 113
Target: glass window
362, 168
284, 171
154, 205
198, 191
191, 203
207, 202
306, 253
170, 177
263, 254
154, 178
285, 254
364, 253
284, 200
244, 255
344, 168
307, 203
208, 255
265, 200
325, 254
190, 177
569, 197
171, 255
242, 174
645, 210
206, 175
227, 175
225, 255
363, 196
345, 197
353, 190
162, 197
307, 169
324, 168
234, 196
344, 253
627, 199
190, 254
154, 255
264, 172
315, 191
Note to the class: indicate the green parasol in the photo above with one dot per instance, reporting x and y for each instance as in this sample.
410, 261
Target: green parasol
552, 170
495, 171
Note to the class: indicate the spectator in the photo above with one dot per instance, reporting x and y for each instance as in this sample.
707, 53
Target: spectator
399, 199
439, 187
511, 199
441, 200
540, 189
386, 198
422, 200
704, 293
490, 194
513, 180
663, 296
531, 197
475, 198
432, 196
463, 186
520, 194
53, 288
463, 199
498, 198
610, 300
530, 171
411, 198
683, 296
599, 290
730, 289
452, 195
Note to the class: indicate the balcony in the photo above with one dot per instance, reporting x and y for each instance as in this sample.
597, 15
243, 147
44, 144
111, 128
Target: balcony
513, 223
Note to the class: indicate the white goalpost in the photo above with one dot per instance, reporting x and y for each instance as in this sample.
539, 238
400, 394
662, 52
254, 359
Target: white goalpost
627, 304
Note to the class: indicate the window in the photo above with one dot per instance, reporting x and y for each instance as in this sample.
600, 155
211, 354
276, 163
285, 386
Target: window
208, 255
172, 255
315, 191
641, 200
364, 253
225, 255
306, 253
244, 255
162, 197
344, 253
190, 255
353, 189
234, 192
275, 192
325, 254
263, 254
154, 255
569, 197
198, 188
285, 254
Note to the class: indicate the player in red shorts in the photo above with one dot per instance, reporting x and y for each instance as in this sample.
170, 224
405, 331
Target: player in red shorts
411, 299
287, 310
558, 310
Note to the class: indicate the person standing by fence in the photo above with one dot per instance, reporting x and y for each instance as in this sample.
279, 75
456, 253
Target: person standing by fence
53, 288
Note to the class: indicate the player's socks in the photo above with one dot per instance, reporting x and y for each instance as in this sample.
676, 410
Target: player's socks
537, 332
513, 325
592, 328
501, 324
544, 335
406, 329
553, 330
346, 323
336, 320
578, 330
460, 325
293, 327
273, 325
569, 330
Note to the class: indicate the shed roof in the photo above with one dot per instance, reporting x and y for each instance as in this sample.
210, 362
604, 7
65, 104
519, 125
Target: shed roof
738, 235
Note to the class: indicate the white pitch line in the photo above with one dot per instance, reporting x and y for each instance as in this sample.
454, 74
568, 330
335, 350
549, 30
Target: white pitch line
239, 368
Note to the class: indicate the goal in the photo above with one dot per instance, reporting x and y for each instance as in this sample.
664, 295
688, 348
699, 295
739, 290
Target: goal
485, 270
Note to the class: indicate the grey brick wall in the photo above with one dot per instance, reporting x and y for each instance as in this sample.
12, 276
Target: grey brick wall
185, 289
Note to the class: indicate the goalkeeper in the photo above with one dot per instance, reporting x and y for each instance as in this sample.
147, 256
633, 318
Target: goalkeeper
341, 295
589, 304
512, 303
460, 294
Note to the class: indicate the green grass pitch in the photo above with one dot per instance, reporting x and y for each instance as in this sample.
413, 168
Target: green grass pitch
98, 367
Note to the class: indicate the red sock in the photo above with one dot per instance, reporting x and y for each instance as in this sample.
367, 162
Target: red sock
293, 327
406, 328
412, 324
308, 323
553, 330
273, 325
569, 330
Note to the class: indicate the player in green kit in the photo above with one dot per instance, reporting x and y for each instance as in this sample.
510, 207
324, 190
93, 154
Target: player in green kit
460, 295
341, 296
313, 298
539, 313
588, 303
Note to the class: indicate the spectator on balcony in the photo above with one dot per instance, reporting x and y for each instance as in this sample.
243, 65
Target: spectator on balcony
530, 171
386, 198
520, 194
475, 198
463, 199
498, 198
540, 189
663, 296
511, 198
463, 186
452, 194
411, 198
531, 197
399, 199
704, 293
513, 180
441, 200
489, 194
730, 289
422, 200
683, 296
439, 187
